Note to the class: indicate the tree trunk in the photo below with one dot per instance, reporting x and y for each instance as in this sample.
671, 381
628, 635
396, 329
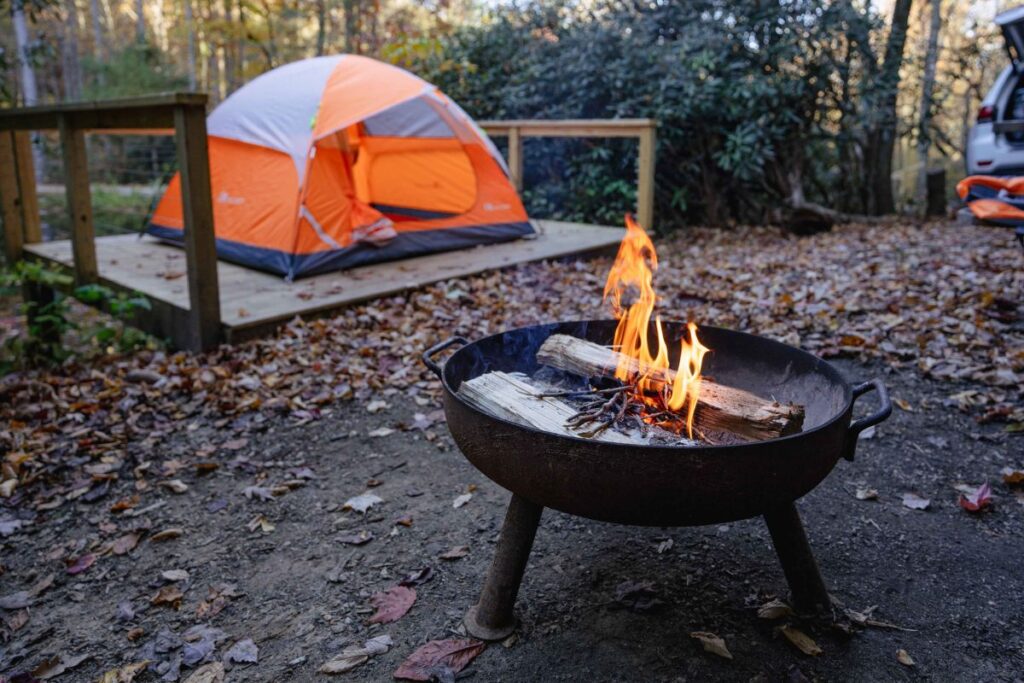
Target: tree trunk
190, 30
140, 22
230, 51
98, 46
882, 134
927, 87
321, 26
72, 65
352, 26
29, 91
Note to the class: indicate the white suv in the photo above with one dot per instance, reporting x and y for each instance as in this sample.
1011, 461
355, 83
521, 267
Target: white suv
995, 144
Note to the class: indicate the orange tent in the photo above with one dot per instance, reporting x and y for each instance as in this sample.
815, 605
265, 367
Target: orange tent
334, 162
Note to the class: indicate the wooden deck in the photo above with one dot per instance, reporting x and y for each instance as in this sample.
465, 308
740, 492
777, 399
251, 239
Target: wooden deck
254, 303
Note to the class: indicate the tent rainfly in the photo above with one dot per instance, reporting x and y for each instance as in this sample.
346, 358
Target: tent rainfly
335, 162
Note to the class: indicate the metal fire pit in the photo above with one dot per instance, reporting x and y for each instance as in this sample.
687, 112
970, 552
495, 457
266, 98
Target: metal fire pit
654, 485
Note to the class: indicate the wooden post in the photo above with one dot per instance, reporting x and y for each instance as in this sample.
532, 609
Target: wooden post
9, 200
31, 228
76, 184
645, 177
935, 186
515, 157
200, 244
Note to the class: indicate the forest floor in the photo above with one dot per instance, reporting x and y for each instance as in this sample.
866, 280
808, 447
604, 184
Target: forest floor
189, 511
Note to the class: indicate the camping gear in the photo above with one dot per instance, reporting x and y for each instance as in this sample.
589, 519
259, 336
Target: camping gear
653, 485
340, 161
994, 199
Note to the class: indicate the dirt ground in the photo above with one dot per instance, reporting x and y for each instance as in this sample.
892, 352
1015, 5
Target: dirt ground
299, 589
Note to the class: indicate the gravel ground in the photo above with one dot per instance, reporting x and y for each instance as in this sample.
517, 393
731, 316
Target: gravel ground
280, 572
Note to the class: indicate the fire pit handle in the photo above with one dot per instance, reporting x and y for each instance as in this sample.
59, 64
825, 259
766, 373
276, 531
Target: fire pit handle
858, 426
438, 348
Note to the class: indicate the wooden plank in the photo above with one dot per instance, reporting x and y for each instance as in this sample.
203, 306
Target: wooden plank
515, 158
646, 162
76, 184
510, 398
197, 210
152, 111
10, 209
32, 228
255, 303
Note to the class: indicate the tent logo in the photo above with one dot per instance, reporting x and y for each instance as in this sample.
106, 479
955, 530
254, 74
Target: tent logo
225, 198
488, 206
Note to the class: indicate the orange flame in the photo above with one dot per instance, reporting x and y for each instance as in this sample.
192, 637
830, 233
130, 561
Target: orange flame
642, 367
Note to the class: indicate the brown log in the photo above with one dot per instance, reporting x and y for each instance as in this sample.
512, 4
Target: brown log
719, 409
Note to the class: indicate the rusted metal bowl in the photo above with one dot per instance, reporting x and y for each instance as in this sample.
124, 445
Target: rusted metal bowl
660, 485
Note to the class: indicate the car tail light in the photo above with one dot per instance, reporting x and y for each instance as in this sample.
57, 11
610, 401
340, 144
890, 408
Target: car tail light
986, 113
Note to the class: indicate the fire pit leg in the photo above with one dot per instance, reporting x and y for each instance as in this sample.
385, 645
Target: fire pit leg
802, 575
492, 618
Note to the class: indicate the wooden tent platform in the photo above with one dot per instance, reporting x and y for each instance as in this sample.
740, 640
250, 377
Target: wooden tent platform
253, 303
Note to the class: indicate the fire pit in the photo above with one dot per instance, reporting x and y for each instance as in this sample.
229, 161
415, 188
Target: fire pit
780, 447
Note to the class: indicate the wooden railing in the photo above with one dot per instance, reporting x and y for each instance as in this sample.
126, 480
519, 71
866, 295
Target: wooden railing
643, 129
180, 114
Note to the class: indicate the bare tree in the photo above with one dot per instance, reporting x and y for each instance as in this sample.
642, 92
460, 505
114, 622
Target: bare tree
72, 65
140, 21
190, 31
881, 138
927, 94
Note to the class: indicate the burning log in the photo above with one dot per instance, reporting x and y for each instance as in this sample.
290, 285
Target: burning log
509, 397
719, 409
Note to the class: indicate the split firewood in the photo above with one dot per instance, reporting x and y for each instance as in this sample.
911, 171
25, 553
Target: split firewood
719, 408
509, 397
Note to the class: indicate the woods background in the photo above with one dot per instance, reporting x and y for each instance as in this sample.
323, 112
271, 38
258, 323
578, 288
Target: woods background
764, 106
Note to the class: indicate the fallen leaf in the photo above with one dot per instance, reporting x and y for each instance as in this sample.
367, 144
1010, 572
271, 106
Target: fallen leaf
363, 502
866, 494
639, 596
208, 673
382, 431
801, 640
977, 501
55, 666
915, 502
174, 575
355, 655
462, 500
17, 600
712, 643
375, 407
9, 526
417, 577
1012, 477
903, 404
392, 604
17, 620
125, 544
360, 538
175, 485
166, 535
244, 651
81, 564
260, 522
124, 674
168, 595
904, 658
455, 553
774, 609
449, 656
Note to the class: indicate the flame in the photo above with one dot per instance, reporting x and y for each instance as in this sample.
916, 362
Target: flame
643, 368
